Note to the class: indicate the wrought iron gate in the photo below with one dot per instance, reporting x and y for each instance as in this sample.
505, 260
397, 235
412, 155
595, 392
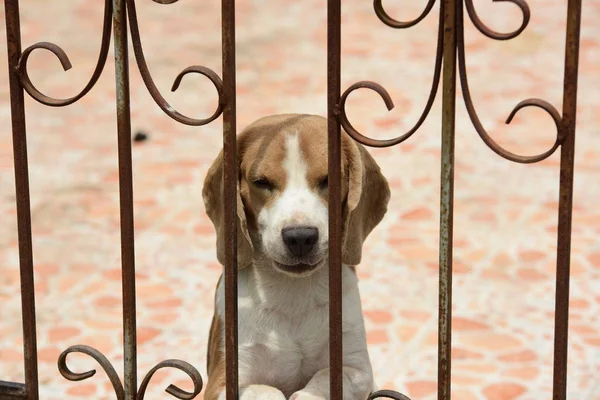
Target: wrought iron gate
120, 19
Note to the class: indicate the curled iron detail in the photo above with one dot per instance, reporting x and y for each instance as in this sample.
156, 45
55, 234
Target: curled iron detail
356, 135
147, 78
100, 359
66, 64
388, 394
491, 143
483, 28
387, 99
172, 389
391, 22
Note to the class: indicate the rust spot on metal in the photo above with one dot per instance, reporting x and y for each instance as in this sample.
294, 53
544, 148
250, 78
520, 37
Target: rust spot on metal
230, 178
449, 9
19, 136
12, 390
125, 198
335, 198
565, 204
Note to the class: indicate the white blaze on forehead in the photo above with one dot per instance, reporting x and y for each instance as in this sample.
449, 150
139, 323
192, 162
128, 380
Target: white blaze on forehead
294, 165
296, 205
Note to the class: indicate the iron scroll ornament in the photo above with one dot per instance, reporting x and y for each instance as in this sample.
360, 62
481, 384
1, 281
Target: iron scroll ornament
149, 82
117, 385
37, 95
66, 64
485, 30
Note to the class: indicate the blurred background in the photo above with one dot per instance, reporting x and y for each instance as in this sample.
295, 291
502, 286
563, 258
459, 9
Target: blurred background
505, 213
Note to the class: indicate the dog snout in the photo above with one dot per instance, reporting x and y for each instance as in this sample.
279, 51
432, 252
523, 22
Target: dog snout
300, 240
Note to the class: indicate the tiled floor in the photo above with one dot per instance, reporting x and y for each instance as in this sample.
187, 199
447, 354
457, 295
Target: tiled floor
505, 214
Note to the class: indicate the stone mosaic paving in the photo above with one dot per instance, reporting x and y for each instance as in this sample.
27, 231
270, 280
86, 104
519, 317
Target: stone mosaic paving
505, 213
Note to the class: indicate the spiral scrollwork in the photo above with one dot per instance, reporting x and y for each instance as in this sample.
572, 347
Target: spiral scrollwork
172, 389
384, 94
149, 82
483, 28
348, 126
100, 359
391, 22
66, 64
388, 394
544, 105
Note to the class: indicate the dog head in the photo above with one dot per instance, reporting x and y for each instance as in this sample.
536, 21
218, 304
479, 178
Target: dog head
283, 190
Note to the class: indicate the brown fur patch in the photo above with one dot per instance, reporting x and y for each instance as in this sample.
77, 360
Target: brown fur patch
262, 152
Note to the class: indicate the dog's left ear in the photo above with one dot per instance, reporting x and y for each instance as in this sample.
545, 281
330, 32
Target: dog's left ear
366, 204
212, 194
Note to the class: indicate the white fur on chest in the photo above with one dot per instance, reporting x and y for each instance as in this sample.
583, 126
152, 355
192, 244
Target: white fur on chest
283, 322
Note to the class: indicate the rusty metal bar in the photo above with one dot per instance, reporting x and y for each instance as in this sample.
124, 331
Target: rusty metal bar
126, 198
12, 390
335, 199
230, 177
565, 205
447, 199
17, 107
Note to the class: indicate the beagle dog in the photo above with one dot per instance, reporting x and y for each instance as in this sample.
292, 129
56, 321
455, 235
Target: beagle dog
283, 297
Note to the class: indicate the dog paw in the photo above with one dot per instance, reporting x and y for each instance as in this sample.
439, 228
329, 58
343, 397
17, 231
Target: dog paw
261, 392
301, 395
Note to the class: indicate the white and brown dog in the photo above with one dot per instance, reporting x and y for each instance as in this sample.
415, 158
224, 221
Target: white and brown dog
283, 261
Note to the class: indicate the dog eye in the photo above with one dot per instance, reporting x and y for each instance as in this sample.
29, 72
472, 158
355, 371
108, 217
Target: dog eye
263, 183
324, 183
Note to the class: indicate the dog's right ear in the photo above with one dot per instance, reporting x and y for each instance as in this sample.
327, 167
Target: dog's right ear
212, 194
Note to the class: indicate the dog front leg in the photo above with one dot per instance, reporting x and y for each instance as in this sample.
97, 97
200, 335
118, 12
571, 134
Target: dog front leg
357, 385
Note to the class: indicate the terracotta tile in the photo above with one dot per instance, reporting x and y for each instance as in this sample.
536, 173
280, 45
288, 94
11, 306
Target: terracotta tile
418, 214
108, 302
465, 380
532, 255
526, 373
379, 316
519, 357
464, 395
462, 354
377, 337
503, 391
406, 332
479, 367
62, 333
48, 354
82, 390
10, 355
466, 324
145, 334
417, 315
421, 389
493, 342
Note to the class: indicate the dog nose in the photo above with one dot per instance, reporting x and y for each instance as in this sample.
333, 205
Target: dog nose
300, 240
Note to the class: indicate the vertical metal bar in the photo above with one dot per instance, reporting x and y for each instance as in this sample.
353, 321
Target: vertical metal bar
17, 107
335, 199
230, 177
565, 206
447, 199
126, 197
